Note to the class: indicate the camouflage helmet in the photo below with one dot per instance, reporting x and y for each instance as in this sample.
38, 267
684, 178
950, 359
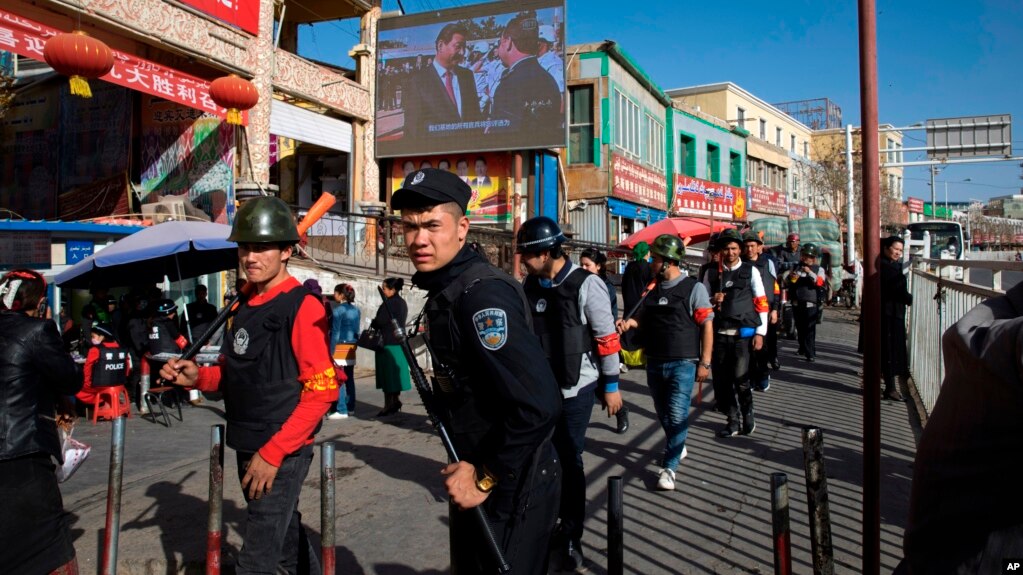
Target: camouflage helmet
264, 220
668, 247
810, 250
728, 236
752, 236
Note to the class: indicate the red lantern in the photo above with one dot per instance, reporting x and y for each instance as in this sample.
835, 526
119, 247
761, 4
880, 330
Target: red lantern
236, 94
80, 56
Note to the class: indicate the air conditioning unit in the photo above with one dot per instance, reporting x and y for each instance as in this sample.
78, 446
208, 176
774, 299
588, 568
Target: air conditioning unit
176, 208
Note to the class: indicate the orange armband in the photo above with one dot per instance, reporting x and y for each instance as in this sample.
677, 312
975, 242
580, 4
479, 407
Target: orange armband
608, 344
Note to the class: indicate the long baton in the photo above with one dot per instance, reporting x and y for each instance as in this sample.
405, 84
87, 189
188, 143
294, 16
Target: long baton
315, 213
650, 286
426, 395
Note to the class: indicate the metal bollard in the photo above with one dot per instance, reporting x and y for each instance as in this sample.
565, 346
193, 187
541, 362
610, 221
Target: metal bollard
144, 383
817, 500
215, 523
327, 507
615, 527
780, 524
113, 526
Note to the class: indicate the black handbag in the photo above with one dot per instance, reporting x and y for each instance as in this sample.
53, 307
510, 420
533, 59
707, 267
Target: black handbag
371, 339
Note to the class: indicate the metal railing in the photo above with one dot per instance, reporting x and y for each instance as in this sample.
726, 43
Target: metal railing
939, 301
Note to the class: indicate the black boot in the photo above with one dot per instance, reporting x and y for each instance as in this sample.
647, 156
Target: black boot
732, 428
623, 420
572, 556
891, 391
748, 422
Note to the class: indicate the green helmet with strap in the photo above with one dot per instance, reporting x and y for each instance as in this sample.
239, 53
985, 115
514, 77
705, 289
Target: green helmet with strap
668, 247
810, 250
264, 220
728, 236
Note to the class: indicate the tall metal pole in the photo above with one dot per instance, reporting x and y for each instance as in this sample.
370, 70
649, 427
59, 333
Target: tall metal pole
327, 542
215, 520
615, 527
850, 253
934, 202
113, 527
871, 290
780, 524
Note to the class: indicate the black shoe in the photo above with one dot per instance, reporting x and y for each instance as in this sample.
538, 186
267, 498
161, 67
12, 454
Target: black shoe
801, 351
728, 431
572, 556
623, 420
775, 365
749, 423
810, 358
390, 409
893, 395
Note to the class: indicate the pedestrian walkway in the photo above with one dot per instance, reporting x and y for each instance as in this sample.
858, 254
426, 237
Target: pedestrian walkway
392, 510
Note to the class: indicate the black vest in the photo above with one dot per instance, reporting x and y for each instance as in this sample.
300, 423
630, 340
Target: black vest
260, 372
667, 324
737, 310
557, 321
806, 289
763, 265
110, 369
465, 410
162, 336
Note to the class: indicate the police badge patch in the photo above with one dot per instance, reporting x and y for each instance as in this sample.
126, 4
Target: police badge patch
491, 327
241, 341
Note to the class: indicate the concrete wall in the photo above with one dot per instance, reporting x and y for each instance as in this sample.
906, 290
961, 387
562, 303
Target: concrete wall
704, 132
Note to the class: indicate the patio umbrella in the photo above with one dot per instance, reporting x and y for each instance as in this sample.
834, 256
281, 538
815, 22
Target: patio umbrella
178, 250
695, 229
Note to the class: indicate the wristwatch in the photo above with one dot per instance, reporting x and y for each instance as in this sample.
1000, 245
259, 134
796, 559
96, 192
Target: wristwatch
484, 480
704, 365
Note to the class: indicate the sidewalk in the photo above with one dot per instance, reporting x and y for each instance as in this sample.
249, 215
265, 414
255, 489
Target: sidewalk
392, 509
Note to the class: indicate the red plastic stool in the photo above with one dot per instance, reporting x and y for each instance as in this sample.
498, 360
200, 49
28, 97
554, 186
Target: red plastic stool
110, 403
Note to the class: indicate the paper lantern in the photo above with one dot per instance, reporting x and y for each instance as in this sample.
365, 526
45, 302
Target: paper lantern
80, 56
236, 94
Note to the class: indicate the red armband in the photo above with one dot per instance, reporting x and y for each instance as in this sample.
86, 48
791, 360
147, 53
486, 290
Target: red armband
181, 342
608, 345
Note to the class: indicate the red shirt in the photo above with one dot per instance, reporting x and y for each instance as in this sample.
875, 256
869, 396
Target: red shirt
315, 371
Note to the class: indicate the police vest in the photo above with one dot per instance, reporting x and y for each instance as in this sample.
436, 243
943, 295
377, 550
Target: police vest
163, 335
737, 310
668, 329
111, 367
763, 265
557, 321
806, 289
464, 411
260, 372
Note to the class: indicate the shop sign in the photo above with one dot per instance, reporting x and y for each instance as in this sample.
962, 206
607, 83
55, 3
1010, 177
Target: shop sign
697, 197
634, 183
77, 250
767, 201
241, 13
27, 38
25, 250
915, 205
797, 212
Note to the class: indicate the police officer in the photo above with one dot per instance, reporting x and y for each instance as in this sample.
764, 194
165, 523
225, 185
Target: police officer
162, 337
787, 257
201, 313
740, 316
572, 317
499, 414
106, 365
712, 257
760, 364
806, 285
278, 381
675, 324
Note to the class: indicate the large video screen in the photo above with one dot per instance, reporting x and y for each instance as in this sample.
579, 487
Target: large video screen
486, 77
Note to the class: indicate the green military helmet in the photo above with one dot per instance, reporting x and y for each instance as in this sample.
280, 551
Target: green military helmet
264, 220
810, 250
728, 236
668, 247
752, 236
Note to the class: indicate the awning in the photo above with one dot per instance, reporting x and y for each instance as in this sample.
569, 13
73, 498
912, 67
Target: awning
303, 125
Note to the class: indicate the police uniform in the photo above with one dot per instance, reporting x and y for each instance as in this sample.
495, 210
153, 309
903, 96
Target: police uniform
805, 285
499, 416
787, 261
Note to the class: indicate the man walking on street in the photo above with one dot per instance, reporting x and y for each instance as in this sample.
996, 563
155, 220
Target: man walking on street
675, 324
278, 381
500, 415
787, 257
760, 363
805, 285
740, 315
572, 317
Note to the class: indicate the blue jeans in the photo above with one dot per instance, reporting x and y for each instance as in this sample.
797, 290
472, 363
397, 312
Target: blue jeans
569, 439
274, 540
671, 385
346, 393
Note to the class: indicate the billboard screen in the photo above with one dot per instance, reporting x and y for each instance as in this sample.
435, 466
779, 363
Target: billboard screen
487, 174
487, 77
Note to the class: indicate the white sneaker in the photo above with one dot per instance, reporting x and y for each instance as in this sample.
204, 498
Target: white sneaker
622, 368
685, 453
666, 482
337, 415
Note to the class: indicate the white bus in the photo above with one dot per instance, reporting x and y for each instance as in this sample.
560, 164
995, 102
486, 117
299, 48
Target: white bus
945, 240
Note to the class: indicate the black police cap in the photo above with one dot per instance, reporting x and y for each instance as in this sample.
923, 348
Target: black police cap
430, 187
103, 329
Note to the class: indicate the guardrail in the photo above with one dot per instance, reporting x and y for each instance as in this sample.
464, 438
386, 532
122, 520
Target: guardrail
939, 301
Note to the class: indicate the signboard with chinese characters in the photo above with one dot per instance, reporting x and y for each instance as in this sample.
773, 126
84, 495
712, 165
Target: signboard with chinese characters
25, 250
241, 13
77, 250
697, 197
798, 212
915, 205
27, 38
634, 183
767, 201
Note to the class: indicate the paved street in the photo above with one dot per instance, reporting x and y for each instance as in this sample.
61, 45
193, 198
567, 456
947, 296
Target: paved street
392, 513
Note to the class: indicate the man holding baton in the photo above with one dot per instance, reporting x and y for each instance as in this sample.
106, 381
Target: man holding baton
500, 416
278, 381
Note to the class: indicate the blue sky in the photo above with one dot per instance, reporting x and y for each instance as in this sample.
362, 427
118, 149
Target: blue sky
936, 59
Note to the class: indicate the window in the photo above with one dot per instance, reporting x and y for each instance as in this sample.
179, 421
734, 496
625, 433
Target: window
713, 162
687, 155
580, 131
795, 187
655, 143
806, 149
627, 131
751, 170
735, 169
763, 129
777, 137
792, 143
762, 171
741, 117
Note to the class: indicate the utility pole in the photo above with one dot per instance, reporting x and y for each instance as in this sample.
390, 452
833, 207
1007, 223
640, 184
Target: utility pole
850, 256
934, 205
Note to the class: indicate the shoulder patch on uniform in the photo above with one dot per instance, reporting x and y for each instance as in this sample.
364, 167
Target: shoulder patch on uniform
491, 327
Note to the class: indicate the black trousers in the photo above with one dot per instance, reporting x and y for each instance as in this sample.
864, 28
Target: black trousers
806, 327
35, 531
771, 341
731, 366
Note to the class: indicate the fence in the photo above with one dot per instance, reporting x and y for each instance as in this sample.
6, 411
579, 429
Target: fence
939, 301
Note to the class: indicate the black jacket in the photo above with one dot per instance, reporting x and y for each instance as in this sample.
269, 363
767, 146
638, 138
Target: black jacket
895, 294
382, 320
34, 372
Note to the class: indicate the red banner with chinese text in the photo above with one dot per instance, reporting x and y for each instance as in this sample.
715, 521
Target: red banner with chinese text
767, 201
698, 197
241, 13
27, 38
915, 205
798, 212
634, 183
